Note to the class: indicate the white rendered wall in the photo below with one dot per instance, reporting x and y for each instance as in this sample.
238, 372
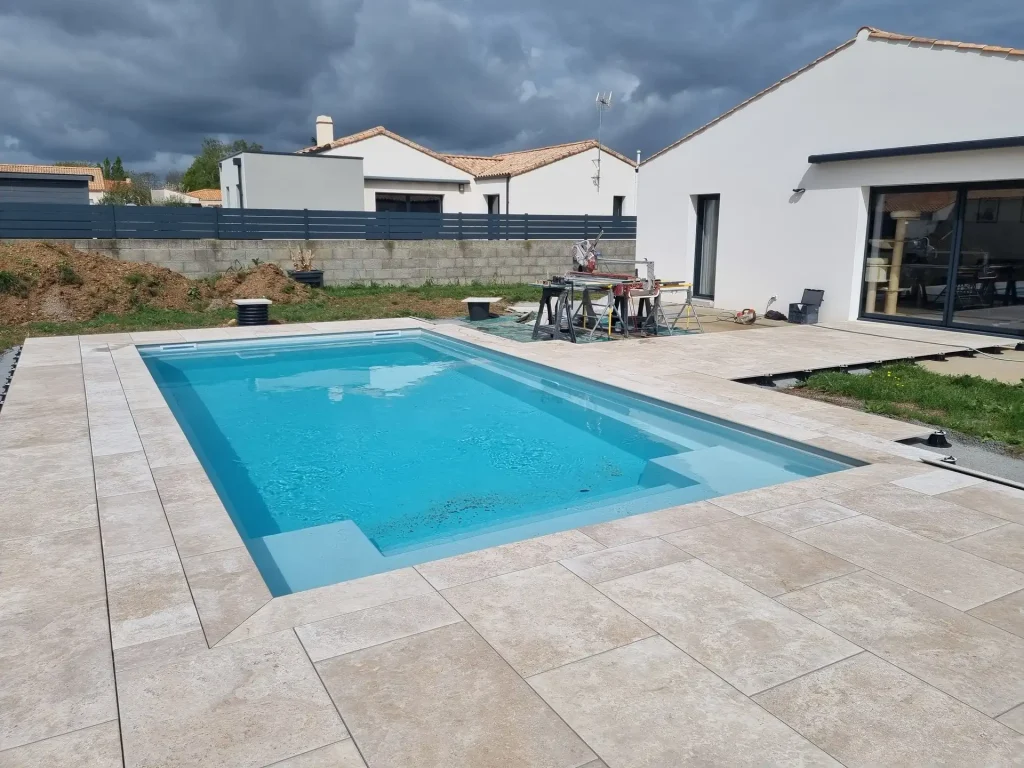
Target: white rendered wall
453, 201
872, 95
383, 156
566, 187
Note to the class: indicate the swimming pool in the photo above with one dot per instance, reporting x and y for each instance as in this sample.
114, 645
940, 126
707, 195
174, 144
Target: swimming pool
345, 455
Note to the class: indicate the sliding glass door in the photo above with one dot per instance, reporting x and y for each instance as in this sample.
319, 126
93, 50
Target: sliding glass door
706, 255
947, 255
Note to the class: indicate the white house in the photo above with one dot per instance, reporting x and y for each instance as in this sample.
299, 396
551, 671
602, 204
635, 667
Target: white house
888, 173
400, 174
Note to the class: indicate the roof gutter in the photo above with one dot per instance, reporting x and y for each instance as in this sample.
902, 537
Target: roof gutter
918, 149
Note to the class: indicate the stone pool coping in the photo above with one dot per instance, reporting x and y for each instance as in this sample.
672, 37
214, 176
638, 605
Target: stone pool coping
178, 578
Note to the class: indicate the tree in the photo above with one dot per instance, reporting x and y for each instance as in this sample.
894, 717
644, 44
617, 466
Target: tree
75, 164
204, 173
173, 180
117, 170
105, 167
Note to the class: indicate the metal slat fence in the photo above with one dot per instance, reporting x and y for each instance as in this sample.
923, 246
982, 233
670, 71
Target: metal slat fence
43, 222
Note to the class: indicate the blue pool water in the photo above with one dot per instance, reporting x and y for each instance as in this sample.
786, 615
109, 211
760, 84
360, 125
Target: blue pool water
346, 455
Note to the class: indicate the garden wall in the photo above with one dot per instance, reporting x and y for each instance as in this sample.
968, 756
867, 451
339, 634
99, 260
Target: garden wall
396, 262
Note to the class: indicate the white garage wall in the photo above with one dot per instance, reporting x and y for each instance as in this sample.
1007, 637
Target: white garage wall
566, 187
871, 95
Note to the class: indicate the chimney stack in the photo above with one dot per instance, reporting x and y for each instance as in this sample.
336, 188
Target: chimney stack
324, 130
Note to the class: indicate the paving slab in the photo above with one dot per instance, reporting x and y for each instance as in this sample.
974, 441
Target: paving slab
133, 522
249, 704
373, 626
970, 660
122, 473
649, 525
956, 578
444, 698
544, 617
1006, 612
797, 517
650, 705
775, 496
484, 563
227, 589
624, 560
98, 746
341, 754
864, 711
198, 519
938, 481
1003, 545
1014, 719
761, 557
745, 637
990, 498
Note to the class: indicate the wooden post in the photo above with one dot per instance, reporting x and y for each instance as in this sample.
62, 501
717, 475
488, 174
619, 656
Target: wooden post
892, 295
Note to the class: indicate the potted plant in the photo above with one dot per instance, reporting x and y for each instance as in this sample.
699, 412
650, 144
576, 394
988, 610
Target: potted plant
302, 260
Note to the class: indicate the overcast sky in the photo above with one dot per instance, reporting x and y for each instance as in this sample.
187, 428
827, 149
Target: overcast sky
148, 79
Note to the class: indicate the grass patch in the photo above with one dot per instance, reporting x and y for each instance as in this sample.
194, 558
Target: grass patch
357, 302
66, 274
13, 284
971, 405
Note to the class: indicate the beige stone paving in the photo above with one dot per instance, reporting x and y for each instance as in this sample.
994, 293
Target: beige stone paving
837, 603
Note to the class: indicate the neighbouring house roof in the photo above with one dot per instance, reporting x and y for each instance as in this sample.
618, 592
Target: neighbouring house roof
209, 195
109, 185
96, 183
525, 160
872, 33
480, 166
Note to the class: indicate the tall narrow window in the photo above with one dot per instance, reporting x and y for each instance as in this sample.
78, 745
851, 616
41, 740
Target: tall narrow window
706, 257
617, 203
493, 203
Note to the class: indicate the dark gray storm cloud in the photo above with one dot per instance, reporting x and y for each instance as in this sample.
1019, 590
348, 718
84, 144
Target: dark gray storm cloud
148, 79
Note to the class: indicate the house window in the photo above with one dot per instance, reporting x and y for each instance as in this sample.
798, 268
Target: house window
706, 257
403, 203
493, 203
617, 203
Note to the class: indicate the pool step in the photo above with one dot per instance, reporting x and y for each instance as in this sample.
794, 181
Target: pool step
717, 468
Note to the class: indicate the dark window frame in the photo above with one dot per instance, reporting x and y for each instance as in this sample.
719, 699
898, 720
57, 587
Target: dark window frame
961, 189
698, 251
410, 198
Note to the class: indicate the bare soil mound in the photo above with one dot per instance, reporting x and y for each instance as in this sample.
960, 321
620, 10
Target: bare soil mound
46, 281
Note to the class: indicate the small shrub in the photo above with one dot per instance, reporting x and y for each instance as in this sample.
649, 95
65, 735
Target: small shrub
13, 284
66, 274
288, 288
302, 259
135, 279
256, 261
193, 293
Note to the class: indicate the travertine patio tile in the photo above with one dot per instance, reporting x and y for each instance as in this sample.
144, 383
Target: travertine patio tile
113, 431
31, 508
149, 597
98, 746
55, 672
650, 705
164, 442
373, 626
953, 577
46, 351
938, 481
341, 754
247, 705
143, 394
22, 467
39, 386
133, 522
775, 496
156, 337
613, 563
1003, 545
1006, 612
122, 473
807, 514
321, 603
444, 698
749, 639
31, 429
759, 556
864, 711
970, 660
198, 520
164, 650
51, 572
227, 589
990, 498
544, 617
1014, 719
875, 474
484, 563
626, 530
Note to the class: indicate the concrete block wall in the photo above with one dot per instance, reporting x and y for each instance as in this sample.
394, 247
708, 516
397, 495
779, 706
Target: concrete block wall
393, 262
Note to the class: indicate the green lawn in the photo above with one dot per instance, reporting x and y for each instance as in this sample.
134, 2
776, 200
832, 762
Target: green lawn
357, 302
981, 408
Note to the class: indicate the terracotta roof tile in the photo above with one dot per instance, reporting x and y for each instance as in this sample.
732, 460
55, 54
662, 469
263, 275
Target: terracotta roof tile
873, 33
480, 166
209, 195
95, 174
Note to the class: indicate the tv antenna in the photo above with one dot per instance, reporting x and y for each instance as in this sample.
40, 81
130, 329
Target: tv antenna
603, 102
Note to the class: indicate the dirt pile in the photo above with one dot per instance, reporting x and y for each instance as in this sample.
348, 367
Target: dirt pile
45, 281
